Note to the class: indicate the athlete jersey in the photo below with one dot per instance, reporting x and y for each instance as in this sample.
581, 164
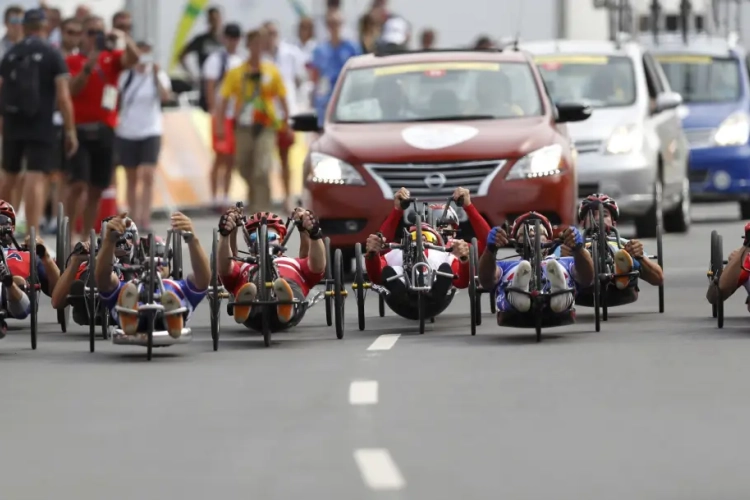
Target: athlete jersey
289, 268
395, 259
19, 264
613, 245
189, 296
82, 272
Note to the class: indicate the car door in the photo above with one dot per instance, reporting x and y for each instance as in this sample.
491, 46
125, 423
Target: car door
668, 126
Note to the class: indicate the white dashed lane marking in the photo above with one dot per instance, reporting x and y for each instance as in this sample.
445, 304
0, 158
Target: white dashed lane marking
378, 470
384, 342
363, 392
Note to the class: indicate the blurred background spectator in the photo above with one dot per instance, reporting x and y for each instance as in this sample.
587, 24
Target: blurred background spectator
369, 32
202, 46
395, 35
215, 68
428, 39
143, 89
13, 18
484, 43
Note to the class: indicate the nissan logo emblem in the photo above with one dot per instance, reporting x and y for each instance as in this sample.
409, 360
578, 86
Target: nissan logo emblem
435, 181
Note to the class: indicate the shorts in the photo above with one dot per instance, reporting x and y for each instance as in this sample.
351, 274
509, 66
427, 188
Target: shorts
226, 145
59, 159
39, 155
93, 163
285, 139
133, 153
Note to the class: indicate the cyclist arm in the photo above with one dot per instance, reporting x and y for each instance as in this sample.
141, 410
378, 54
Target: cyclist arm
460, 273
650, 272
374, 265
106, 279
62, 290
304, 244
488, 272
225, 253
201, 275
317, 258
583, 266
731, 277
390, 224
49, 274
479, 225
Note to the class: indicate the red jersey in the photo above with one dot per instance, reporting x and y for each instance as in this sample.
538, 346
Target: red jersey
19, 264
291, 269
87, 105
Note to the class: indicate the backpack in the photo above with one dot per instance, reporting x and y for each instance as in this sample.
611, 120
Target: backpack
20, 91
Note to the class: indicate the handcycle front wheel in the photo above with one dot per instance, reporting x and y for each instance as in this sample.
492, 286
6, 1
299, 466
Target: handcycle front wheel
473, 293
329, 283
214, 300
339, 293
33, 287
359, 280
717, 268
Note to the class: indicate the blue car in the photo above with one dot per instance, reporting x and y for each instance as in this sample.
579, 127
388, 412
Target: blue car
712, 76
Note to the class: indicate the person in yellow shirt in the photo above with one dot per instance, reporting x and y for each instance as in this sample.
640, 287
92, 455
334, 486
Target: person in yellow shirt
256, 86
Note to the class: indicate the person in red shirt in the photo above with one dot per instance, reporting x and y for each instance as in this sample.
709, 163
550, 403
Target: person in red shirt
95, 71
296, 276
15, 269
448, 229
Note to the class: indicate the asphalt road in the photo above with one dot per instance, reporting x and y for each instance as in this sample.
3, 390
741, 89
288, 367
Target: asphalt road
653, 407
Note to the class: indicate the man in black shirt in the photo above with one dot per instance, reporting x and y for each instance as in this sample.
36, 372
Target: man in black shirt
33, 78
203, 46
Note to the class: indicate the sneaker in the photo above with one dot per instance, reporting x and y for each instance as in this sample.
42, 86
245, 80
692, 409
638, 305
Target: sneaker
520, 279
175, 321
128, 300
558, 281
247, 293
284, 293
6, 277
623, 265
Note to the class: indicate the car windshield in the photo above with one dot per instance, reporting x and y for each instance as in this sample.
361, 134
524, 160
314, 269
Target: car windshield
599, 81
437, 92
702, 78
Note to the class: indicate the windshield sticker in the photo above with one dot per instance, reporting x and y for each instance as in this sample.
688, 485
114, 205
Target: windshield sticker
431, 137
683, 59
365, 110
563, 59
422, 68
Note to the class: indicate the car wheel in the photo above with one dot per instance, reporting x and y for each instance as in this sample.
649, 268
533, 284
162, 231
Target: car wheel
745, 210
645, 225
678, 220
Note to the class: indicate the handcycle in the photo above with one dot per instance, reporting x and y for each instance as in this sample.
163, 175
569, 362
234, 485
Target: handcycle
716, 269
418, 274
32, 286
333, 294
604, 294
538, 317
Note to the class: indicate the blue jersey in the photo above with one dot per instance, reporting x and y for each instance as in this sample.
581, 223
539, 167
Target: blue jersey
328, 62
189, 296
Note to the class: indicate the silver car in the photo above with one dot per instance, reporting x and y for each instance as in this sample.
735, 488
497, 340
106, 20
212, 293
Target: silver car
633, 147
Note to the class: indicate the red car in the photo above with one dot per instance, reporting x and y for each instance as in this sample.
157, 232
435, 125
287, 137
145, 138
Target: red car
434, 121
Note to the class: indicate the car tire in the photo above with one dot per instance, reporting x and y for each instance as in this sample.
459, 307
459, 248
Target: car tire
678, 220
645, 225
745, 210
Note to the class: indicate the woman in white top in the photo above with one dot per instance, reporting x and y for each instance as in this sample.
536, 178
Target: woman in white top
142, 92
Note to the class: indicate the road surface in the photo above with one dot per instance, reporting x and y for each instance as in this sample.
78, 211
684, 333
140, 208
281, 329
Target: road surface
652, 407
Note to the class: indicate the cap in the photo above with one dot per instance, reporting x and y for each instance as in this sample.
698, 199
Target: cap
34, 16
232, 30
396, 30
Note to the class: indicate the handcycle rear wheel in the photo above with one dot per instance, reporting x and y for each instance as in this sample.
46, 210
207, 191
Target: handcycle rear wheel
420, 276
329, 283
601, 258
473, 295
338, 292
92, 301
597, 286
214, 300
263, 290
359, 280
62, 250
33, 286
150, 295
537, 273
659, 234
717, 268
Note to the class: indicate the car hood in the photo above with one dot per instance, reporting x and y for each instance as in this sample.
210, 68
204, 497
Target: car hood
601, 124
440, 141
706, 115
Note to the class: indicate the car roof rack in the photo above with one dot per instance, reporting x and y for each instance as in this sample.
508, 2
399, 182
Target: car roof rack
385, 53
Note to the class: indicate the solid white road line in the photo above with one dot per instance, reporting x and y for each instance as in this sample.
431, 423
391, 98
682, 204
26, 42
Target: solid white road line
384, 342
378, 470
363, 392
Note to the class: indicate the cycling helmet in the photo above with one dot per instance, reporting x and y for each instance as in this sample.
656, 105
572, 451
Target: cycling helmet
530, 217
429, 235
589, 203
275, 224
7, 210
449, 223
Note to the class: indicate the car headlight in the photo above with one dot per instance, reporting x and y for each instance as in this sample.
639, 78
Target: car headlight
543, 162
734, 131
624, 140
330, 170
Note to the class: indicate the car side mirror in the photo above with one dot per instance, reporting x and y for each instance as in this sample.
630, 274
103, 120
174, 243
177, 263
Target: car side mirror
666, 101
305, 122
572, 112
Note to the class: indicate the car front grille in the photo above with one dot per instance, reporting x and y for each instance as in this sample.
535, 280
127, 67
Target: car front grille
700, 138
584, 147
697, 176
435, 180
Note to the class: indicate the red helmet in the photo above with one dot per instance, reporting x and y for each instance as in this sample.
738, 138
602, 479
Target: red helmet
530, 217
429, 234
589, 203
8, 211
275, 224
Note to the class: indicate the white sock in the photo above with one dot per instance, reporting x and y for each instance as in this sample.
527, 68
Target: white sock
558, 282
521, 302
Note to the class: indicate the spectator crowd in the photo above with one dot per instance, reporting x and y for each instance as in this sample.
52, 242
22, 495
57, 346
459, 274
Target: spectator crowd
79, 98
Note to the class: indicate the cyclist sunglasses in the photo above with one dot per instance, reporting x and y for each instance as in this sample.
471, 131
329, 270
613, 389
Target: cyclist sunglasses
271, 237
